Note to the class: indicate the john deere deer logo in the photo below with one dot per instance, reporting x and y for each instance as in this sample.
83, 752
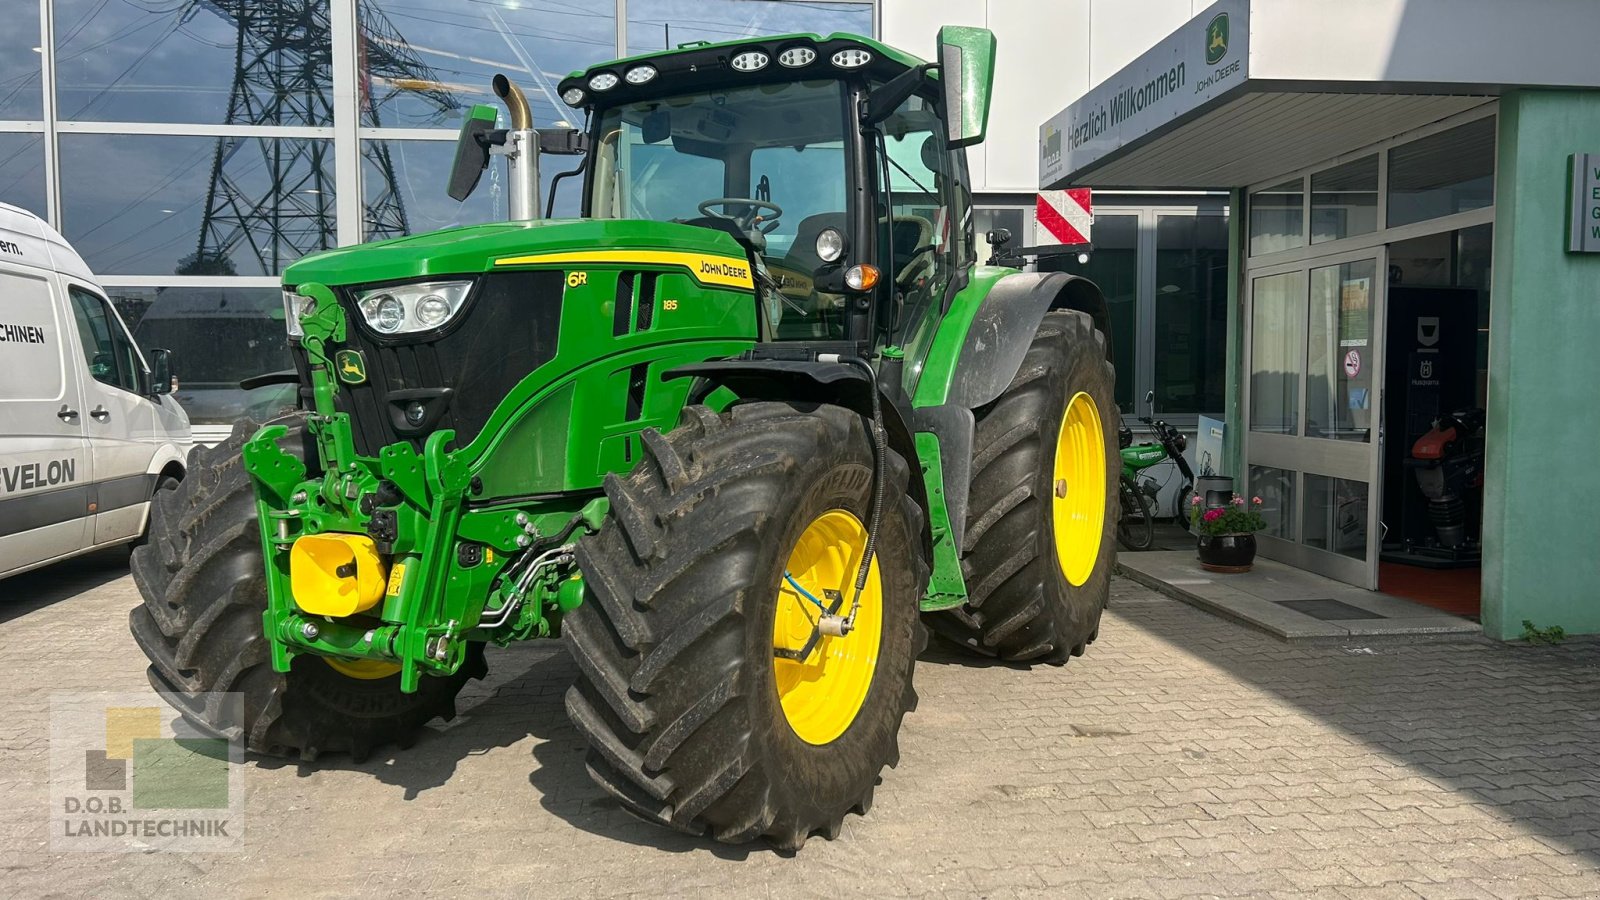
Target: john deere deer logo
352, 368
1217, 39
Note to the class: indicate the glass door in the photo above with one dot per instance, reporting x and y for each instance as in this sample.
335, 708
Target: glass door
1313, 433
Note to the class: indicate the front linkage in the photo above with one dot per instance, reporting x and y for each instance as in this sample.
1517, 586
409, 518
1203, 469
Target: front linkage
381, 559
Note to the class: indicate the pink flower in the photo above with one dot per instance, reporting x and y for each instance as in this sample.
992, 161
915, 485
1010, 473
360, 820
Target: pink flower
1211, 515
1195, 500
1256, 500
1238, 500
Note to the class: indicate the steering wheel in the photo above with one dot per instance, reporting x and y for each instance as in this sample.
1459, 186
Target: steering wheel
748, 219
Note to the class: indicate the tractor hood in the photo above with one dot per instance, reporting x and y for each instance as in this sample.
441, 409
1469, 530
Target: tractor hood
478, 248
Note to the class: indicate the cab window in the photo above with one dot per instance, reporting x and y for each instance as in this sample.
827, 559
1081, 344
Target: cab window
107, 348
923, 232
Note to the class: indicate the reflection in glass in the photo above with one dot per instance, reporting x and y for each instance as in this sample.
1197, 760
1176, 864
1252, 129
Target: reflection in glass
1335, 516
1191, 312
22, 171
1275, 487
665, 24
1277, 218
1277, 352
1344, 200
20, 94
158, 204
218, 336
404, 186
213, 62
1114, 268
425, 61
1339, 355
1444, 173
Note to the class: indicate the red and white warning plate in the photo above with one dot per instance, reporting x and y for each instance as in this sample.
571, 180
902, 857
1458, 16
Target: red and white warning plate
1063, 217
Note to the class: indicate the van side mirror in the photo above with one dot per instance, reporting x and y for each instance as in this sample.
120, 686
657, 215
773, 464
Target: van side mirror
161, 380
966, 72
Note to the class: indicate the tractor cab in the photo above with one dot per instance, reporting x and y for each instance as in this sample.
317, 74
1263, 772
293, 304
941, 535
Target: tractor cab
827, 159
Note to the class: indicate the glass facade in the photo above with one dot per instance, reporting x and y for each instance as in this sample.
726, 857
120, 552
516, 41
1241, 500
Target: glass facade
197, 147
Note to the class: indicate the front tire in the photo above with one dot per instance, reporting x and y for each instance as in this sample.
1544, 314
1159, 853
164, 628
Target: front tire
203, 581
1038, 566
692, 721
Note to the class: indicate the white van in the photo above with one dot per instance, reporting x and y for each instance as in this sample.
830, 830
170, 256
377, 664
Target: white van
88, 430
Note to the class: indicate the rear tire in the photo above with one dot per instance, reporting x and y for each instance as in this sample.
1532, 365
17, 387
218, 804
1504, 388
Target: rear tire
203, 581
1020, 604
678, 694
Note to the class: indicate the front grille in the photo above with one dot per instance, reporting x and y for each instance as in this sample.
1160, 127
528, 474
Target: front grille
508, 329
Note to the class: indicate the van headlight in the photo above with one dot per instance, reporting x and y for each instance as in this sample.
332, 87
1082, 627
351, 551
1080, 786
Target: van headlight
409, 308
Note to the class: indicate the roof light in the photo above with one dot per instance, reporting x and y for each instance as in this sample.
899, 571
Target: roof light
852, 58
750, 61
640, 74
604, 81
795, 57
572, 96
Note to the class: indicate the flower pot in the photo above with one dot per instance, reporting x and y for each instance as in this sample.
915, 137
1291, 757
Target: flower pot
1229, 553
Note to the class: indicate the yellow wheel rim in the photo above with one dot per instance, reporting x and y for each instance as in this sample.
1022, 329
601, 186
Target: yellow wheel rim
364, 669
1078, 491
822, 693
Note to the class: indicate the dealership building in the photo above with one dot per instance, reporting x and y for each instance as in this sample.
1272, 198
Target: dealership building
1416, 187
1298, 206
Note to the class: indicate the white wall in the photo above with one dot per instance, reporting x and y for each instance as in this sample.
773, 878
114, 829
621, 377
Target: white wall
1050, 53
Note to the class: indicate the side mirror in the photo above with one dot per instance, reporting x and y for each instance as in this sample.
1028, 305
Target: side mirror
472, 151
161, 380
966, 72
1150, 400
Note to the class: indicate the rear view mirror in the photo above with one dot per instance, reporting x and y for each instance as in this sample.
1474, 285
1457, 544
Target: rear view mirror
657, 127
966, 71
472, 151
161, 380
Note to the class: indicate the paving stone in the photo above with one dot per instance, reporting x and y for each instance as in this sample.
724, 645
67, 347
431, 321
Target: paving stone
1184, 755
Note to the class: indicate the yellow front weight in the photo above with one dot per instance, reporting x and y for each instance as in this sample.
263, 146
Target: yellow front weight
335, 574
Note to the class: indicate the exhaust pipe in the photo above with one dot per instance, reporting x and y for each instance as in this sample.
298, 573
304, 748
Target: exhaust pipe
521, 152
516, 103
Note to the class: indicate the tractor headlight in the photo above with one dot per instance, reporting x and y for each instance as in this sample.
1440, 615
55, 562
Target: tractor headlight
830, 245
572, 96
295, 306
604, 81
640, 74
409, 308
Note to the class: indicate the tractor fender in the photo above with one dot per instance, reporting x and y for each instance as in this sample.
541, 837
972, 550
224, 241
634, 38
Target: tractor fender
813, 382
1004, 325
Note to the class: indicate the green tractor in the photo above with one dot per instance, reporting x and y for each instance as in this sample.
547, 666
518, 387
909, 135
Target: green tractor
734, 436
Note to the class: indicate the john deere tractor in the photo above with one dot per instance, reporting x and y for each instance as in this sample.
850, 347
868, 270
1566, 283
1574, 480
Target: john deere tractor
734, 436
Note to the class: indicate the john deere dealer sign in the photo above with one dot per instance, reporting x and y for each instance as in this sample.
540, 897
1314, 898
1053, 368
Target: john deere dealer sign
1204, 59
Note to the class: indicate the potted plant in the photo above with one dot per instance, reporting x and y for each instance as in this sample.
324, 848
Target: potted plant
1226, 535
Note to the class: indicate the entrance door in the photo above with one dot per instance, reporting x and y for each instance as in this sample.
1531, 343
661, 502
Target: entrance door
1314, 433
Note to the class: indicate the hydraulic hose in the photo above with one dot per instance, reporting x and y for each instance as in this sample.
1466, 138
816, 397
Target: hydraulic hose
880, 475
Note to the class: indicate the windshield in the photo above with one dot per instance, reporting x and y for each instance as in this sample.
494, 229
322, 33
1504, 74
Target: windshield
693, 158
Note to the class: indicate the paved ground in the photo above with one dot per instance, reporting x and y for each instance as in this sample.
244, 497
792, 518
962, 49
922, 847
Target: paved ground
1184, 755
